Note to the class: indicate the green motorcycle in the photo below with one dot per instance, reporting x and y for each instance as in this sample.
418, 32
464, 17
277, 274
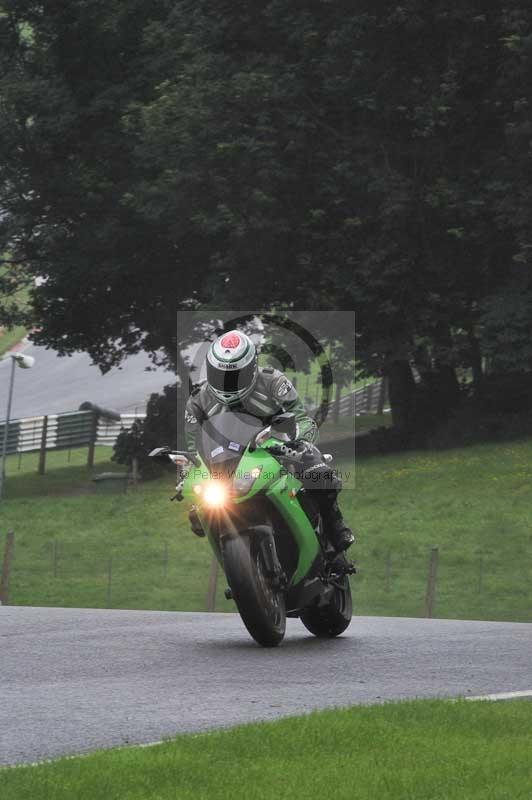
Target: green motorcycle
264, 527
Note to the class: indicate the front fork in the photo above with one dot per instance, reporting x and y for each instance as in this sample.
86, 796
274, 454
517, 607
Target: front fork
217, 532
273, 567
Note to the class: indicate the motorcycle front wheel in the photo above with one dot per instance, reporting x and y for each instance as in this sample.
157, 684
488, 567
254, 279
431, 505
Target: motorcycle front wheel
261, 606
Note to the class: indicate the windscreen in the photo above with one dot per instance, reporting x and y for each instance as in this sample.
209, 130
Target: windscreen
223, 437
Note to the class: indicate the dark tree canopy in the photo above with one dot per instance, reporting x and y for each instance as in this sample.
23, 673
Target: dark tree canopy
312, 155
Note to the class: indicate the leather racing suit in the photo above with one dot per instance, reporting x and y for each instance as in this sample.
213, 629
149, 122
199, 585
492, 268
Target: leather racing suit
272, 394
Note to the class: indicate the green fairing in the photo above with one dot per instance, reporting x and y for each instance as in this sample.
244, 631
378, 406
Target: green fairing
276, 486
298, 522
270, 472
289, 507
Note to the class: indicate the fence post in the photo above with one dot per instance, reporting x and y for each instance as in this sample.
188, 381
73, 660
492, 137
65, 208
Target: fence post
431, 582
109, 581
388, 572
352, 403
92, 441
367, 399
6, 565
135, 471
42, 452
211, 587
382, 396
54, 557
165, 560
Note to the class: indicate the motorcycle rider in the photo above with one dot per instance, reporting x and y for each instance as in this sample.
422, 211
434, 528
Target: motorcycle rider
235, 382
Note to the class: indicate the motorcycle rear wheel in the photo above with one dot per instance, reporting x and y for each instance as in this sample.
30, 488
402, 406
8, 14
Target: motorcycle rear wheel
333, 619
261, 606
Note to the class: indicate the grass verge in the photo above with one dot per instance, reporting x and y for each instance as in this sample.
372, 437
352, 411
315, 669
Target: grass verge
473, 504
416, 750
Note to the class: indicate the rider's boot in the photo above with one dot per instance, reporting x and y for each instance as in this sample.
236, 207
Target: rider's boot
339, 534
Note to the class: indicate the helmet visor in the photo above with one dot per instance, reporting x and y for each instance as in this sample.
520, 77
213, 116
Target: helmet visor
230, 380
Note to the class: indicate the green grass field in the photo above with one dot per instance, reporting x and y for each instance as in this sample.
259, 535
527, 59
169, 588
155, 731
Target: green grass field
9, 338
473, 504
67, 530
419, 750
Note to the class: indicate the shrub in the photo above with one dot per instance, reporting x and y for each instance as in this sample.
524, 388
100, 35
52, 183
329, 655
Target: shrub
163, 425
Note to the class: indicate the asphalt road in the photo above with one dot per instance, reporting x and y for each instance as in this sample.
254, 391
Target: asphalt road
74, 680
58, 384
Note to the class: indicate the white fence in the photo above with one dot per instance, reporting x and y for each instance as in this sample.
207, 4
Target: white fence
64, 431
371, 399
89, 429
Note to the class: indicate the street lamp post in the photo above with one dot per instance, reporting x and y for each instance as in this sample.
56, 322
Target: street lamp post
25, 362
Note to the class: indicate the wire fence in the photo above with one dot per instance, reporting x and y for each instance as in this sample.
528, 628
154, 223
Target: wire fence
407, 581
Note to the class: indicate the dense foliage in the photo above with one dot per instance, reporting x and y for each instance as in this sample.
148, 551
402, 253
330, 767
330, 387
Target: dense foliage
294, 153
163, 426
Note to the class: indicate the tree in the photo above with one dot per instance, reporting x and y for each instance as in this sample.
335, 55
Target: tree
269, 154
354, 151
69, 72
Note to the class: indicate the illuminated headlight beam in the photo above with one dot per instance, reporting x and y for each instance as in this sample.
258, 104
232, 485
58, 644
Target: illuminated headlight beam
214, 494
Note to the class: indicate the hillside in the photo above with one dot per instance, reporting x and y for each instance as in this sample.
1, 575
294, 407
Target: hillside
473, 504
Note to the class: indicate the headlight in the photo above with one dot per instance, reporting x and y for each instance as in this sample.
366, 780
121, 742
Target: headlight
214, 494
243, 483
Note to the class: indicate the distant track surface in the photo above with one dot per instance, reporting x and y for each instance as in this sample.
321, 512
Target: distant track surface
74, 680
58, 384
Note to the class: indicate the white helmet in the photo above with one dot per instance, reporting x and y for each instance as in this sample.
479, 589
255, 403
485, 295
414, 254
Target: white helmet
232, 367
